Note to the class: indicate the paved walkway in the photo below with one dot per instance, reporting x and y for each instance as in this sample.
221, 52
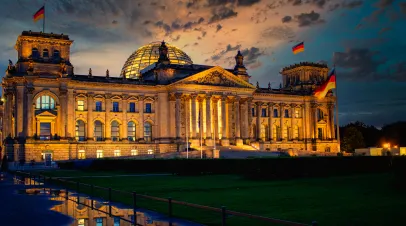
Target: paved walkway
16, 209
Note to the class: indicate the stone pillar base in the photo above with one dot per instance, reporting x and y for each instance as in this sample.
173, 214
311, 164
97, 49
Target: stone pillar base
194, 143
216, 154
209, 142
225, 142
239, 142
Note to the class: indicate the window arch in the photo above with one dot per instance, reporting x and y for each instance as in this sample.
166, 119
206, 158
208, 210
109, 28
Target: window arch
45, 53
131, 131
34, 53
115, 131
80, 130
147, 131
98, 130
45, 102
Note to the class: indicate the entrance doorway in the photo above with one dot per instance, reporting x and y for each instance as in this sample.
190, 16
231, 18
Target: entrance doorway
47, 156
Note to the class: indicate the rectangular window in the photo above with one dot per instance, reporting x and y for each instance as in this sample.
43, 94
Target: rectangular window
115, 106
320, 133
45, 131
263, 113
117, 153
116, 221
253, 112
134, 152
286, 113
81, 105
81, 154
275, 113
148, 108
99, 221
98, 106
132, 107
297, 113
99, 154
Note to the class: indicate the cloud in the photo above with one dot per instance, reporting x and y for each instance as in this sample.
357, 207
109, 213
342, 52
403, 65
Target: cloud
384, 3
218, 27
278, 33
307, 19
352, 4
222, 53
399, 73
251, 55
242, 3
286, 19
360, 64
222, 13
384, 29
402, 6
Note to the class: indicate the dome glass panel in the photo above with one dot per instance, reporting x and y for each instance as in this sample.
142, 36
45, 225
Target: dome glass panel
149, 54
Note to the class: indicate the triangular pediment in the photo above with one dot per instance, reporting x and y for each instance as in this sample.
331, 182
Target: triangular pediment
216, 76
46, 113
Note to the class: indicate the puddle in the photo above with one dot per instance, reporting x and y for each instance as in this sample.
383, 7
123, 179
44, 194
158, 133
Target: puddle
80, 209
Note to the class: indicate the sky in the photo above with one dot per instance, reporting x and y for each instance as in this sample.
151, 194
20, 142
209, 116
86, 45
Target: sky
364, 39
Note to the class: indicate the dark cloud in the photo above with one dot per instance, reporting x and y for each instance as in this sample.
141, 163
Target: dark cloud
399, 73
220, 55
295, 2
384, 29
278, 33
114, 22
384, 3
237, 2
286, 19
402, 6
164, 26
352, 4
175, 39
195, 44
307, 19
251, 55
218, 27
222, 13
359, 64
146, 22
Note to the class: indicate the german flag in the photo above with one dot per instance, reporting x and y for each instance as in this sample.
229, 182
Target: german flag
330, 84
298, 48
40, 14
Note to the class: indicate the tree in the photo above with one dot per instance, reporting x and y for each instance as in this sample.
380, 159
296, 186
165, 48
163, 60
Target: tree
352, 139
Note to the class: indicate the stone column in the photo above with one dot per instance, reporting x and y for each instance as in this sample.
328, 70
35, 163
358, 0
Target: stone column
249, 114
71, 114
328, 124
208, 141
304, 125
89, 125
156, 118
307, 120
172, 114
270, 120
258, 111
193, 96
282, 116
313, 113
7, 122
29, 132
223, 118
141, 116
107, 126
332, 123
215, 120
292, 115
178, 114
237, 118
64, 107
200, 117
123, 127
19, 117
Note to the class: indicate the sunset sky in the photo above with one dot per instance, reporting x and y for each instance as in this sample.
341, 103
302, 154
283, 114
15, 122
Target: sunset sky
365, 40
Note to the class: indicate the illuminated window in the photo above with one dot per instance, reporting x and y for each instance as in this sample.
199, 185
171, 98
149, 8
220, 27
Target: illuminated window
99, 154
98, 130
148, 131
150, 152
45, 131
263, 132
117, 153
115, 107
253, 112
98, 106
45, 102
148, 108
131, 131
81, 154
134, 152
297, 115
320, 114
99, 221
81, 105
115, 131
81, 222
116, 221
80, 130
132, 107
320, 133
296, 132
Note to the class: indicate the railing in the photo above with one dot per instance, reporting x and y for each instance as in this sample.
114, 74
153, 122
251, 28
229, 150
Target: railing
107, 194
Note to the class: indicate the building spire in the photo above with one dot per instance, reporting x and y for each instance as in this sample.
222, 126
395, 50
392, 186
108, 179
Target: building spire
239, 68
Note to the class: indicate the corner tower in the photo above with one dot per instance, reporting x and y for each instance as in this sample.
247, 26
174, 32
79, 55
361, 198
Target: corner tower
239, 68
305, 75
43, 53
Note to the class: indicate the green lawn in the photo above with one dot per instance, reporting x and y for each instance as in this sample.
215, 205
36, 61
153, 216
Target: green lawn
351, 200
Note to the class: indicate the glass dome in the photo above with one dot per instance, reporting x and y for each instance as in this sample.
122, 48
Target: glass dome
149, 54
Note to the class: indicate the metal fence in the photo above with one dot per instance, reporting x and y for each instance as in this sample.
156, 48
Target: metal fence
222, 215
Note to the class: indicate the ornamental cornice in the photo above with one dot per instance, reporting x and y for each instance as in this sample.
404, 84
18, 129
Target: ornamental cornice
30, 90
193, 96
178, 95
172, 97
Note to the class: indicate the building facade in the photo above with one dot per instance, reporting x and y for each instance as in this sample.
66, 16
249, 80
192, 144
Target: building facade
160, 101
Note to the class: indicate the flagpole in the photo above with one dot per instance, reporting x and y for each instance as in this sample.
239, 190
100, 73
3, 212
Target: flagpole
43, 21
187, 138
201, 134
338, 125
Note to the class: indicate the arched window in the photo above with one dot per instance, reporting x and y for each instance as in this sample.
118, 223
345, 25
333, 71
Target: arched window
34, 53
115, 131
80, 130
131, 131
45, 102
56, 54
45, 53
275, 113
148, 131
98, 130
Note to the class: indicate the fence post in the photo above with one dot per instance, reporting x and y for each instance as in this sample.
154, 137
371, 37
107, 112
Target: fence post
170, 207
77, 192
110, 202
223, 216
91, 194
314, 223
135, 207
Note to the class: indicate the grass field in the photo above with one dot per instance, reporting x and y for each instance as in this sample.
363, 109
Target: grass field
350, 200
